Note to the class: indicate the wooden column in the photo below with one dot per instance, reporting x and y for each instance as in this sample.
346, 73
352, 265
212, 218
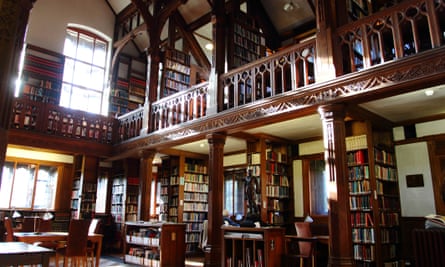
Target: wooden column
213, 251
340, 242
14, 16
216, 97
326, 52
145, 180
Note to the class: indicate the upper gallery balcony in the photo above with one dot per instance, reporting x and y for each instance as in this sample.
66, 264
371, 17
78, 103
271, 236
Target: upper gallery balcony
371, 55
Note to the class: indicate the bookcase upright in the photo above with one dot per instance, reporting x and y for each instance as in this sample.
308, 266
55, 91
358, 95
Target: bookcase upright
373, 195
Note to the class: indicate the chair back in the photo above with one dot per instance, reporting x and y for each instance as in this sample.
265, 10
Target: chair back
94, 226
9, 230
76, 244
304, 230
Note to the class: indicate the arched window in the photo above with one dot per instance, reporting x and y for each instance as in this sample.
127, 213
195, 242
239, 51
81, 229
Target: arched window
85, 71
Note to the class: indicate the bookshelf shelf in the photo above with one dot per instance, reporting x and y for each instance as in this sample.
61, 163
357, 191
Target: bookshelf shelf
154, 244
253, 246
128, 90
42, 75
373, 197
176, 72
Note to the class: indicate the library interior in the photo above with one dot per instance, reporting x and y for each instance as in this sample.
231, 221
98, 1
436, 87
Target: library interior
232, 133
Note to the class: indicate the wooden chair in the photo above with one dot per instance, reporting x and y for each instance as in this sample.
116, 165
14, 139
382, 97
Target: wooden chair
302, 246
91, 247
75, 247
9, 230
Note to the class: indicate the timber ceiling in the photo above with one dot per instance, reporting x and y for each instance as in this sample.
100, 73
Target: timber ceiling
280, 26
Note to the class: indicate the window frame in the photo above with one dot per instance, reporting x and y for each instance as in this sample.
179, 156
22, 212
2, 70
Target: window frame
77, 87
37, 163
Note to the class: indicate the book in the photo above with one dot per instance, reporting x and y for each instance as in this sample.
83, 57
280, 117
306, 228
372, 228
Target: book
436, 220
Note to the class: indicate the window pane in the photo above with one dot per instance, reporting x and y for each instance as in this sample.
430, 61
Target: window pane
319, 187
82, 74
22, 189
97, 78
68, 70
100, 53
228, 195
70, 45
45, 192
85, 49
6, 186
65, 95
94, 99
101, 197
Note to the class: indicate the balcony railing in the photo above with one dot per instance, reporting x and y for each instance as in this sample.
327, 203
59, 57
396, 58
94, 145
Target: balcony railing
54, 120
408, 28
405, 29
284, 71
182, 107
130, 124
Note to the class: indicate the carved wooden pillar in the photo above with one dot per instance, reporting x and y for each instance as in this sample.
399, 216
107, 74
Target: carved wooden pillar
14, 16
340, 242
213, 255
327, 66
216, 100
145, 180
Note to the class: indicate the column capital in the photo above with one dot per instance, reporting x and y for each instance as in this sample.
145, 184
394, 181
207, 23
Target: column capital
333, 111
216, 138
146, 153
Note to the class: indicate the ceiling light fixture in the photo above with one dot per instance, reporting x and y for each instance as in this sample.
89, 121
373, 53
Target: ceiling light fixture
429, 92
289, 6
209, 46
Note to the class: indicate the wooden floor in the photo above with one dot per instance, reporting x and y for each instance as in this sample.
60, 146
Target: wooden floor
115, 260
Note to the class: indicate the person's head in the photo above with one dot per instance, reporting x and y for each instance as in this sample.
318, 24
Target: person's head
225, 213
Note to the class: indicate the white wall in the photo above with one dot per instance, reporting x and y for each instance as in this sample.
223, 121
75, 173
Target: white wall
49, 19
413, 159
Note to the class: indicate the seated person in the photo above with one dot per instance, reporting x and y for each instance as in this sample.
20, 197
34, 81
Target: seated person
227, 220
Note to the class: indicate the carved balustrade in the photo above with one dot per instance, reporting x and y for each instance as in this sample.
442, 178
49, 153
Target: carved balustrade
52, 119
130, 124
181, 107
402, 30
283, 71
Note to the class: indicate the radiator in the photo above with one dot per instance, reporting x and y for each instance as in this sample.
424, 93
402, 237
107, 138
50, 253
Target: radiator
429, 247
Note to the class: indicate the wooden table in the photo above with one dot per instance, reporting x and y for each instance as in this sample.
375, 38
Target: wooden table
20, 253
32, 237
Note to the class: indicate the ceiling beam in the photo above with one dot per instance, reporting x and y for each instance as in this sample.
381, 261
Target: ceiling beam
188, 36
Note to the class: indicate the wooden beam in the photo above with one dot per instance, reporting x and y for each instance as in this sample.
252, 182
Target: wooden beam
188, 36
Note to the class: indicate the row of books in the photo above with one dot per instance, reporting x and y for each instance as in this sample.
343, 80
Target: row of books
358, 172
363, 186
194, 187
196, 178
195, 196
194, 216
362, 202
361, 219
280, 180
196, 206
363, 235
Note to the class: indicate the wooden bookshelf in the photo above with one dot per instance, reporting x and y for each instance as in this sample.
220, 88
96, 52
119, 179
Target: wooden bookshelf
84, 186
42, 75
373, 196
175, 72
154, 244
247, 43
187, 192
124, 195
244, 246
128, 88
269, 162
